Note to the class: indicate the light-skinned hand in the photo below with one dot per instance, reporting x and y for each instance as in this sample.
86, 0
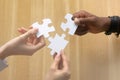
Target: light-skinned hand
60, 69
25, 44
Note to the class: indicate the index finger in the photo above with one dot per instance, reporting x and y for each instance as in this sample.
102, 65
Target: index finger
66, 65
79, 14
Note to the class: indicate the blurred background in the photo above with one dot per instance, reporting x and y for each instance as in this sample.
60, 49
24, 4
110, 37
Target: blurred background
92, 56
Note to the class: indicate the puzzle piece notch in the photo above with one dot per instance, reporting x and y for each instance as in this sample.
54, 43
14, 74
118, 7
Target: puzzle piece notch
46, 22
51, 39
57, 43
69, 24
43, 29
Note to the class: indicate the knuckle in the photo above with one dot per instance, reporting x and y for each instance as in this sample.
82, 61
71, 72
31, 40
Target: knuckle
94, 18
82, 11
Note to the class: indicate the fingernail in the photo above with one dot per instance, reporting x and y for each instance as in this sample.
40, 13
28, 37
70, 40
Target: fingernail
76, 19
72, 18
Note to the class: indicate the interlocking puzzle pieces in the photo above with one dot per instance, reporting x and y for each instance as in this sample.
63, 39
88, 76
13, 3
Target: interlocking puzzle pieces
57, 43
43, 29
69, 24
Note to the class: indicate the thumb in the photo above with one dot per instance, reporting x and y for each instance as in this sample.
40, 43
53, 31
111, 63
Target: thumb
80, 21
29, 33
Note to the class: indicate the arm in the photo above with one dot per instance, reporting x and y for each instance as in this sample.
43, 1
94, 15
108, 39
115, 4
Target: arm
25, 44
88, 22
59, 69
3, 52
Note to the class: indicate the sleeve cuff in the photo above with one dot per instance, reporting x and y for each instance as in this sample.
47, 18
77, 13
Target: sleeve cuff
3, 64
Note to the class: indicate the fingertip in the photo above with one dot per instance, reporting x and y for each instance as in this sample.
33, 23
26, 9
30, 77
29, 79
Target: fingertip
19, 29
36, 29
30, 27
42, 37
73, 18
62, 52
28, 33
63, 55
58, 55
54, 55
77, 21
33, 31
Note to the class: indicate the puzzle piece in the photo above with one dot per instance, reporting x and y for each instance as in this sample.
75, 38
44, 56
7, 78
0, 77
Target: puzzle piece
69, 24
43, 29
57, 43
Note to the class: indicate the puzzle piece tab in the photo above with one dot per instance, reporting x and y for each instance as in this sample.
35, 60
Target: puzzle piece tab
69, 24
43, 29
57, 43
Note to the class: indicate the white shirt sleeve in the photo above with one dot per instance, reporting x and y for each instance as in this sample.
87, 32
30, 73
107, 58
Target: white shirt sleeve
3, 64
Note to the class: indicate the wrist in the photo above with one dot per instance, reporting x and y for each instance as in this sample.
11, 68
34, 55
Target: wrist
3, 52
114, 26
106, 23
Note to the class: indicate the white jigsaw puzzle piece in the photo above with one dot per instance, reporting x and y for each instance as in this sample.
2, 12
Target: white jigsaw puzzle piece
36, 25
43, 29
57, 43
69, 24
